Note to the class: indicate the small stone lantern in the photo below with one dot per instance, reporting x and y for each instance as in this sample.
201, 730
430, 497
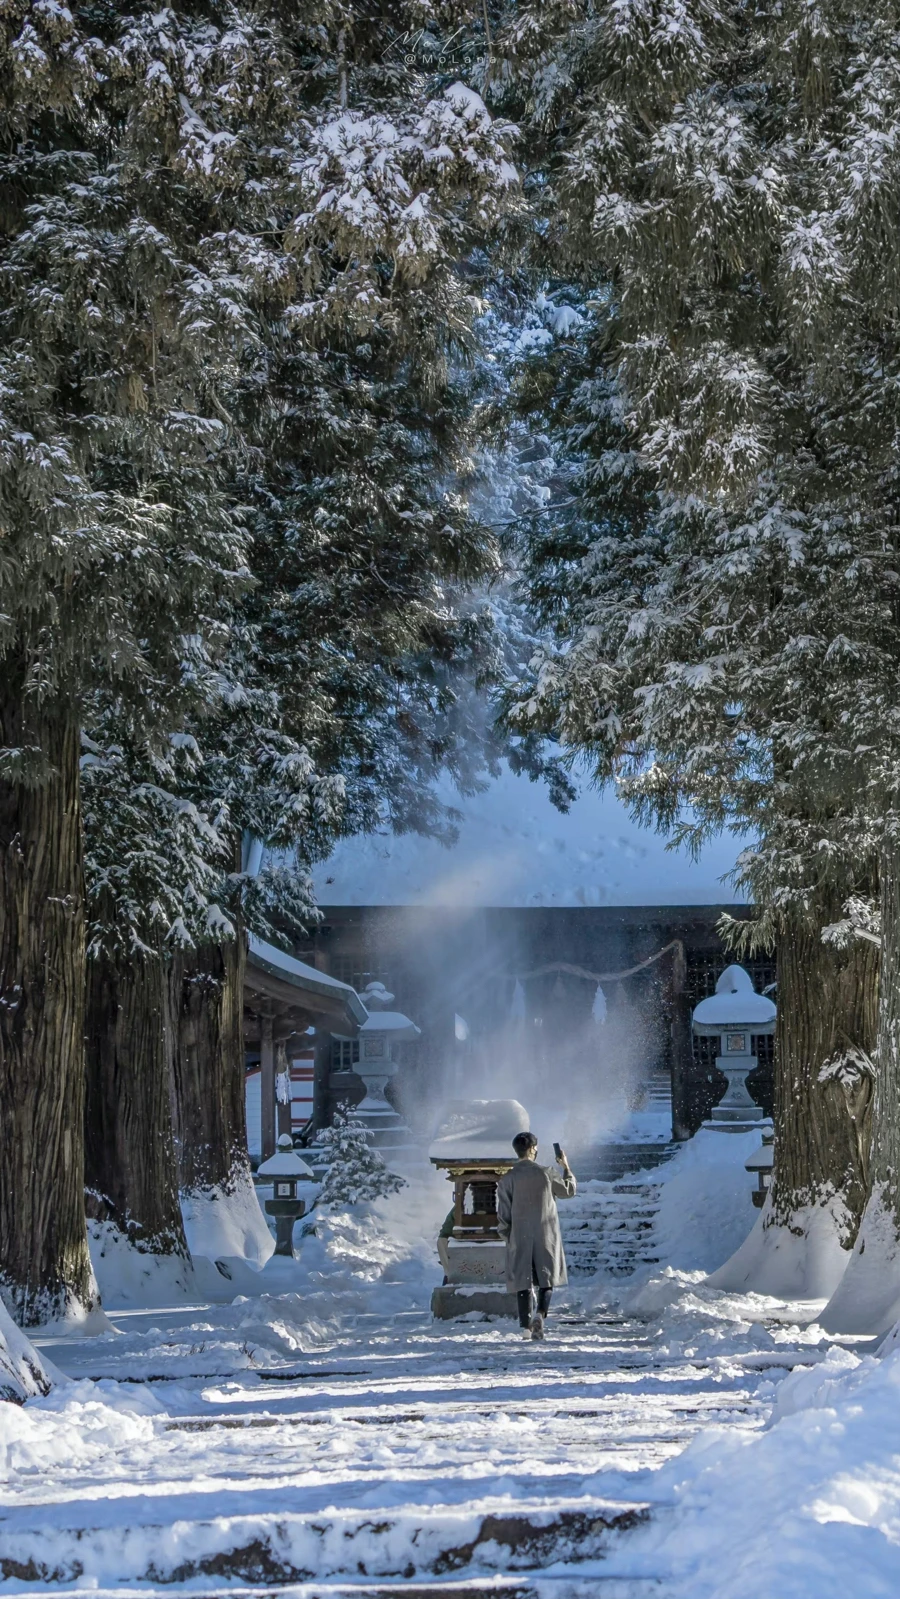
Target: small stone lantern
735, 1014
286, 1169
761, 1161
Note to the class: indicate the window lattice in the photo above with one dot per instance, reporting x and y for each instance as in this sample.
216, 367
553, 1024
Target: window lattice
344, 1054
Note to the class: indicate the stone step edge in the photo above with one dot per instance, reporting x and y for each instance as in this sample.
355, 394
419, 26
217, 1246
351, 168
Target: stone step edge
613, 1585
298, 1547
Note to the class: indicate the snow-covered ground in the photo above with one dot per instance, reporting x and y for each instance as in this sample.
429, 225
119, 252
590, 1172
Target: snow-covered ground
324, 1434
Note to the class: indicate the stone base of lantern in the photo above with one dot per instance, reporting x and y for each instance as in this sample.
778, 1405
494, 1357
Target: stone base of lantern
736, 1112
386, 1129
461, 1299
719, 1125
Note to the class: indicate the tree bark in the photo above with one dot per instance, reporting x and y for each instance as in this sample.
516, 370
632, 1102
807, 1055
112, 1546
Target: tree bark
45, 1268
867, 1300
130, 1170
825, 1030
208, 1083
824, 1038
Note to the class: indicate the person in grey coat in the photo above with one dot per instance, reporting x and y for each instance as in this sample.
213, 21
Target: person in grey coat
528, 1221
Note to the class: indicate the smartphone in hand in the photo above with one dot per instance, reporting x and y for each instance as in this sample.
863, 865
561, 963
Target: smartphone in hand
557, 1150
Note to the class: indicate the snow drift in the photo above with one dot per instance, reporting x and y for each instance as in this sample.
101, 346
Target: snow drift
225, 1223
867, 1298
22, 1373
804, 1261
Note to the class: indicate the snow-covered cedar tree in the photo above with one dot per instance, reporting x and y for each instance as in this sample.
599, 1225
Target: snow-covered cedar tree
168, 904
716, 185
356, 1173
153, 867
349, 675
126, 308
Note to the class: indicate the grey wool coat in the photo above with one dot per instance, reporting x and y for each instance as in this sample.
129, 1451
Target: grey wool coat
528, 1220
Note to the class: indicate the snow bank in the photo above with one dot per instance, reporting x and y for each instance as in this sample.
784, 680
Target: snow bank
344, 1253
228, 1239
386, 1251
804, 1261
707, 1222
733, 1331
867, 1297
77, 1426
129, 1278
22, 1372
227, 1223
809, 1507
706, 1209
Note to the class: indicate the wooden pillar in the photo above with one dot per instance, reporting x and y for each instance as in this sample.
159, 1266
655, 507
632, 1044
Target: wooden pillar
682, 1049
267, 1087
322, 1079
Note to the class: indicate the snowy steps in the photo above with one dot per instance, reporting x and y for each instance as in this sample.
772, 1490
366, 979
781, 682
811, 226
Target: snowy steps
290, 1548
610, 1163
608, 1228
420, 1449
558, 1585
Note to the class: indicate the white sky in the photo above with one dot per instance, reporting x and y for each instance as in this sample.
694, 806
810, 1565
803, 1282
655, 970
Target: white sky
515, 848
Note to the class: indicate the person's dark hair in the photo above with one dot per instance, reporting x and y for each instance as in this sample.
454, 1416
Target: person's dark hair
523, 1142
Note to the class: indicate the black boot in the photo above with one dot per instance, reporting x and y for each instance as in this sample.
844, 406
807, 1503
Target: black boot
526, 1305
543, 1305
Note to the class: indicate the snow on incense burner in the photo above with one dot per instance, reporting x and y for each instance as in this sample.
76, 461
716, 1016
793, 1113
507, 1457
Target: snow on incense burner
736, 1014
473, 1145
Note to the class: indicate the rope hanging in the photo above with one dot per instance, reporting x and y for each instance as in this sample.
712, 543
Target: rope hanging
603, 977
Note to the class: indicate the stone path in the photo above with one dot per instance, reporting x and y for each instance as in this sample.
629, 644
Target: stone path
399, 1454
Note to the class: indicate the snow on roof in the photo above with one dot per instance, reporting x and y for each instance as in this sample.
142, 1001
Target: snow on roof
735, 1003
515, 848
293, 971
478, 1129
390, 1021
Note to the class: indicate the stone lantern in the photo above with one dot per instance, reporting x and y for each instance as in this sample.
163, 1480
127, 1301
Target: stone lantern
473, 1145
379, 1036
735, 1014
286, 1170
762, 1162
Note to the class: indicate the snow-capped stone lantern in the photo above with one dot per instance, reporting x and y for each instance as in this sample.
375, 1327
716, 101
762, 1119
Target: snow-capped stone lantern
286, 1170
379, 1036
736, 1014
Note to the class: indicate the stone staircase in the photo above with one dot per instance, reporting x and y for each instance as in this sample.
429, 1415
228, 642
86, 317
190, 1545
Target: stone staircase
608, 1228
609, 1163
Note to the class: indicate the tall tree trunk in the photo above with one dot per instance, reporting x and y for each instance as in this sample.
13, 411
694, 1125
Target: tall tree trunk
45, 1268
130, 1170
824, 1038
867, 1299
208, 1099
222, 1214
